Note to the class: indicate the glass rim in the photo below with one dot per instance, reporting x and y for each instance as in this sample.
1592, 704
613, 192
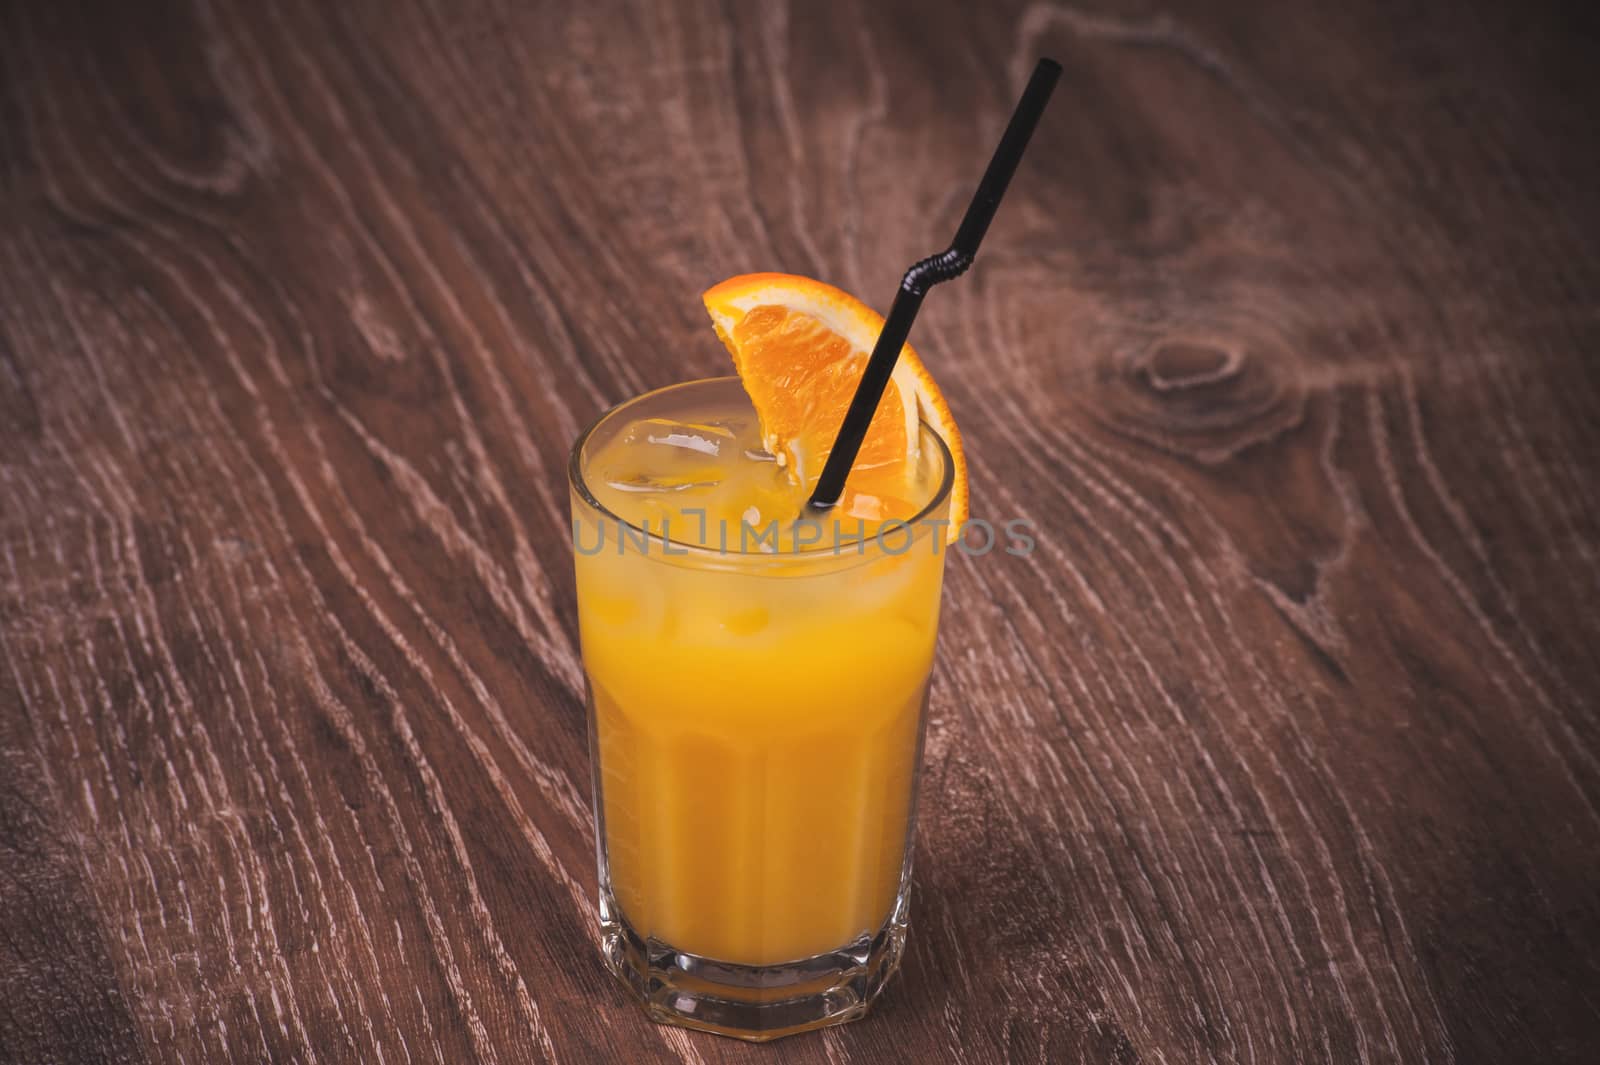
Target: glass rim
683, 550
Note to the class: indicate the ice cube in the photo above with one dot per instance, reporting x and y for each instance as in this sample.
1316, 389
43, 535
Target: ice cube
702, 438
733, 426
649, 483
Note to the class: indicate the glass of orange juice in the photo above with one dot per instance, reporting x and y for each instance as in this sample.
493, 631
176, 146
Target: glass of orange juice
757, 693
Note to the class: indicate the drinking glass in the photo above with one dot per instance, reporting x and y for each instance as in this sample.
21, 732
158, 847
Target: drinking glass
755, 723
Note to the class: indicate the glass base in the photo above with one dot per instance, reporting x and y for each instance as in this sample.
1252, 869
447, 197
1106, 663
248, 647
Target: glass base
753, 1002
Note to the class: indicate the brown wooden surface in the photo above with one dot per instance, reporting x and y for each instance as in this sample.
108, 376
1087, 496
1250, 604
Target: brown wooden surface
1283, 747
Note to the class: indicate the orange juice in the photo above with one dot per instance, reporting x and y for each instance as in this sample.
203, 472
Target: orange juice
757, 689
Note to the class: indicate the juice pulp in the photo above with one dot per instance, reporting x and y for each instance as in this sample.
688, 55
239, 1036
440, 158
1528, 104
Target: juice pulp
757, 715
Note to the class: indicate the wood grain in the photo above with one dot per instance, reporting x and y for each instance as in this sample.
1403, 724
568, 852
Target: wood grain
1284, 746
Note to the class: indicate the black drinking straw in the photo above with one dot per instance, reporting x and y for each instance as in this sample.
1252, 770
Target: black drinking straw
922, 276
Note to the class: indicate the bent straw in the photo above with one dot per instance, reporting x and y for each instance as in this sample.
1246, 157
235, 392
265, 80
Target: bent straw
923, 275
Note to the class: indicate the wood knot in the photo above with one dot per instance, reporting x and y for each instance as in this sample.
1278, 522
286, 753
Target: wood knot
1206, 394
1182, 364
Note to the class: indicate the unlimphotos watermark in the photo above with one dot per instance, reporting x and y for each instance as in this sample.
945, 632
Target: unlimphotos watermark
975, 538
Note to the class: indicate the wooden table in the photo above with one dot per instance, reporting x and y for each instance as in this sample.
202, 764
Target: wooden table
1283, 746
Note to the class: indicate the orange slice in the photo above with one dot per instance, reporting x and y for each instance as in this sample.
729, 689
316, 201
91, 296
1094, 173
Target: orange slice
799, 347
